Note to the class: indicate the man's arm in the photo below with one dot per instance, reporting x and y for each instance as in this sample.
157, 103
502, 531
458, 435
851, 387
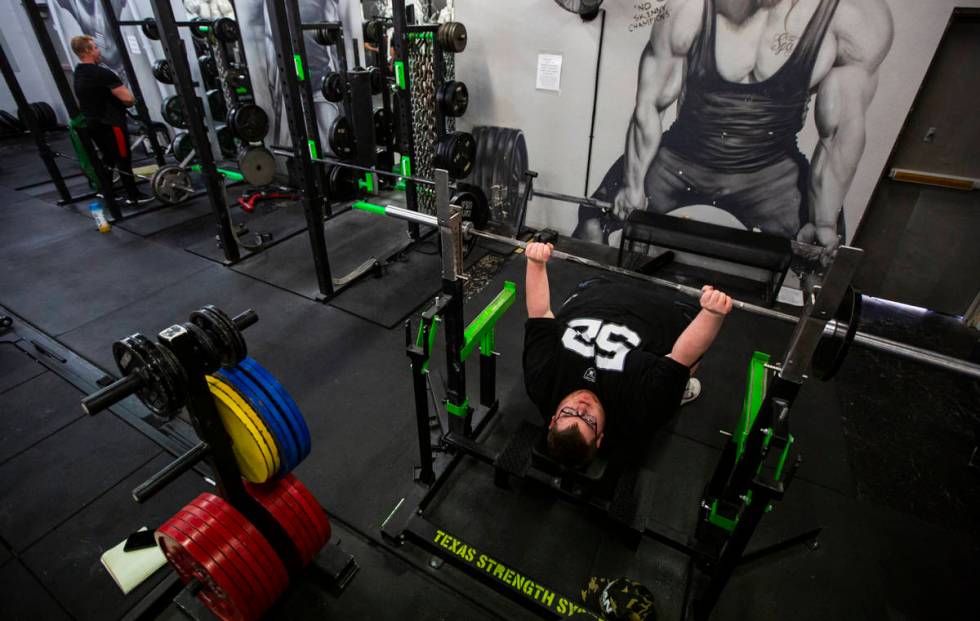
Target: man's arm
536, 280
124, 95
661, 77
695, 340
864, 37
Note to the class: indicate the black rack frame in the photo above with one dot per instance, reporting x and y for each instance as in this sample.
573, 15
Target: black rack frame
214, 182
71, 107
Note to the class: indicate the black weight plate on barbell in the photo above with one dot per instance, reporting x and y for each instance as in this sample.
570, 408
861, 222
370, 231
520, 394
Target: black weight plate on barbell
377, 80
341, 138
206, 346
343, 183
249, 122
226, 30
47, 113
325, 35
172, 111
239, 347
161, 71
182, 146
332, 87
216, 103
455, 153
451, 37
473, 202
504, 178
453, 98
150, 30
832, 349
226, 141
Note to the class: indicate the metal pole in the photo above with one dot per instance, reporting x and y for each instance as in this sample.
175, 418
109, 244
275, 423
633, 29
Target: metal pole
404, 92
173, 47
299, 134
868, 341
112, 21
47, 156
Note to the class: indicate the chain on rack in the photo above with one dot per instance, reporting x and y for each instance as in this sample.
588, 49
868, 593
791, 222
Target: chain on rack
422, 75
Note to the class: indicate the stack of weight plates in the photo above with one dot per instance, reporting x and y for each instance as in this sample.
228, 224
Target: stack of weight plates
239, 573
269, 435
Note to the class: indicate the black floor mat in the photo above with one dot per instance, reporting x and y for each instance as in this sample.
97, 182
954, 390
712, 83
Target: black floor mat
16, 367
24, 597
28, 223
21, 164
167, 217
87, 275
67, 559
56, 477
281, 222
33, 411
352, 238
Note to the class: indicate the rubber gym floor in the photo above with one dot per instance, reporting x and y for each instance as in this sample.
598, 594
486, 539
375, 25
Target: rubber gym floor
885, 444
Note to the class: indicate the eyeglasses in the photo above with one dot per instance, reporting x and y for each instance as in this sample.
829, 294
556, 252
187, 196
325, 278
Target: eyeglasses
589, 420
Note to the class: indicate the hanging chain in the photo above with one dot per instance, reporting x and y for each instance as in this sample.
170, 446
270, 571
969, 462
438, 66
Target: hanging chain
449, 62
422, 75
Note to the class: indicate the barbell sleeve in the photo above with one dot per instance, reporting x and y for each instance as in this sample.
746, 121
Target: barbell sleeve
111, 394
246, 319
147, 489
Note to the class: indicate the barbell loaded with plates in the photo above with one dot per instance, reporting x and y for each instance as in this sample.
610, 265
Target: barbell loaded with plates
171, 184
257, 165
150, 30
832, 348
183, 147
342, 183
161, 71
44, 115
341, 138
451, 37
454, 152
500, 167
172, 111
453, 98
332, 87
226, 30
249, 122
326, 35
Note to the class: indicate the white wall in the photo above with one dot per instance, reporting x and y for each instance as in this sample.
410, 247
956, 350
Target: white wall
498, 66
25, 55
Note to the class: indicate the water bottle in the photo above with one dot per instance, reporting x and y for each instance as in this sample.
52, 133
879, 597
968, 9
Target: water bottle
100, 220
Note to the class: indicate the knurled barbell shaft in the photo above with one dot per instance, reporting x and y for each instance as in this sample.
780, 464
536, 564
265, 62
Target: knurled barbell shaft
868, 341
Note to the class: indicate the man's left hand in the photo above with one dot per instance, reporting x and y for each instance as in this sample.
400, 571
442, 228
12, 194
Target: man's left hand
714, 301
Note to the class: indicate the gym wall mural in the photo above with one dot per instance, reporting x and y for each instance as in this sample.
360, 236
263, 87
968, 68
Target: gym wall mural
741, 78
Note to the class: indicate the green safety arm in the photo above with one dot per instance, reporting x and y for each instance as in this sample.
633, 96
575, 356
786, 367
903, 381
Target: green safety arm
480, 329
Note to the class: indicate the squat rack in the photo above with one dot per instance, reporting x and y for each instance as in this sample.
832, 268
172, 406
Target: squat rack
76, 121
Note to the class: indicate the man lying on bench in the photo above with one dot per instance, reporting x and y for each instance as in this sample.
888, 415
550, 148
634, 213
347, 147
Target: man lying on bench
617, 359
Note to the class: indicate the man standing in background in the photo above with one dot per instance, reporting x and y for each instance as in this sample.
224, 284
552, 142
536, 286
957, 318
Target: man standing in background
742, 72
103, 100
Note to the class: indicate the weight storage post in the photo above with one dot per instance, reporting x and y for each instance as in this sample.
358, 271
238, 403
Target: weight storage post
173, 48
112, 21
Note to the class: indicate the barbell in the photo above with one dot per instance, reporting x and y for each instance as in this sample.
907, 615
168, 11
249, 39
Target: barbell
833, 327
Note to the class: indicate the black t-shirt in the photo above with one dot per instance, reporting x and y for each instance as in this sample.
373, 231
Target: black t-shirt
93, 88
611, 339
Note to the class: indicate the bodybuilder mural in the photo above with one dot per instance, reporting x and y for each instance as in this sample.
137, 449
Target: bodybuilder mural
742, 73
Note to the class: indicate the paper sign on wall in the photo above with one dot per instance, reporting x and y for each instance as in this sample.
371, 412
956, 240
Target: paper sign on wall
549, 72
134, 45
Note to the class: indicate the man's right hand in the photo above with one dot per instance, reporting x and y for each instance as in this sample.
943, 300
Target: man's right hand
536, 252
627, 199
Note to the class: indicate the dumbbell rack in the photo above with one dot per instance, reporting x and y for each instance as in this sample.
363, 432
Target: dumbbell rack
71, 106
199, 356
